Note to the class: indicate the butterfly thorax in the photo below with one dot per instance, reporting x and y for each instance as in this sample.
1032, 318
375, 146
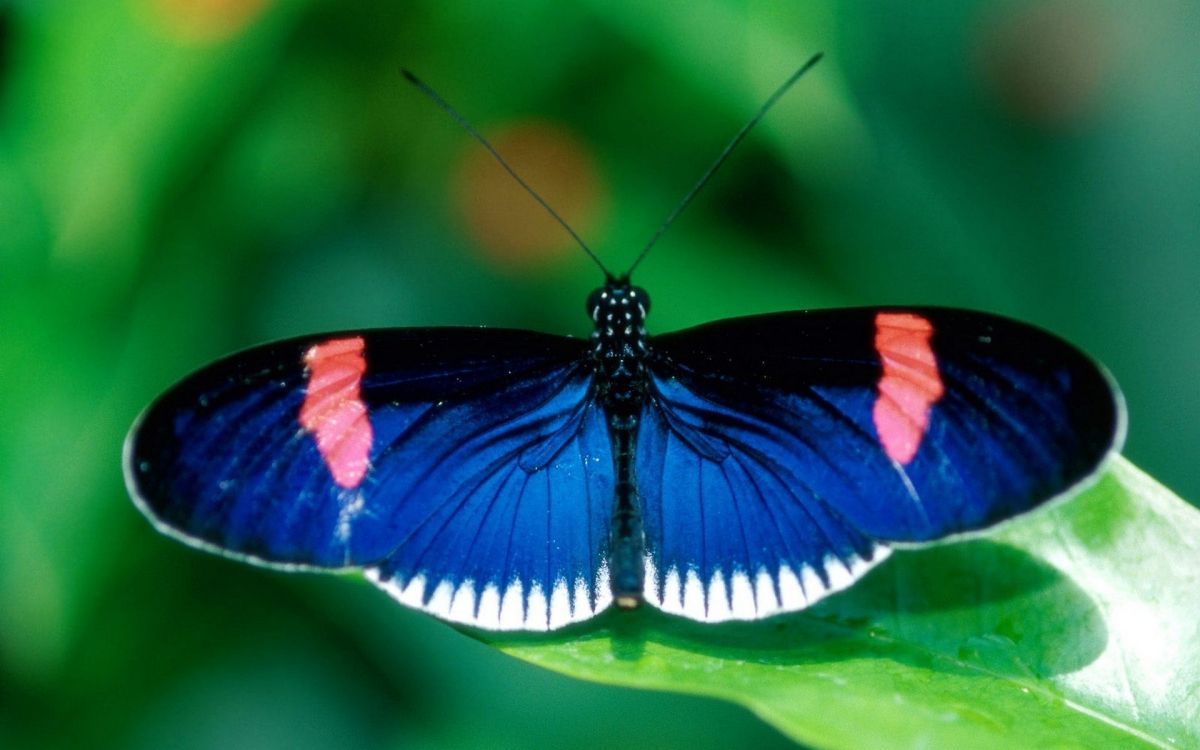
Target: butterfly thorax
619, 352
618, 313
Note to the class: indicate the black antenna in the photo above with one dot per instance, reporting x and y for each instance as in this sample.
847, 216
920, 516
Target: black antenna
462, 121
779, 92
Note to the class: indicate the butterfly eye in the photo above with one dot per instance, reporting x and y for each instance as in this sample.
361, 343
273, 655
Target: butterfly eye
595, 300
639, 296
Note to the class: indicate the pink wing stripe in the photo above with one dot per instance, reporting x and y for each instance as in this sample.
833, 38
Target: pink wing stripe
333, 409
910, 384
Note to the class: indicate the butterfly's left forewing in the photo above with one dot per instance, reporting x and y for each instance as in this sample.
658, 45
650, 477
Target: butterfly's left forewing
467, 470
780, 456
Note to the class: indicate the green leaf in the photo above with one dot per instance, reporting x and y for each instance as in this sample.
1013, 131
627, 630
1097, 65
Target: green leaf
1075, 626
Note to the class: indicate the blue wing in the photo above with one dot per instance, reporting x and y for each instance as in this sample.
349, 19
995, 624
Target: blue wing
468, 471
780, 456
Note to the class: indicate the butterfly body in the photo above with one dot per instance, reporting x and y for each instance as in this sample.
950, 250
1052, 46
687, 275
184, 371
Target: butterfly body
619, 338
516, 480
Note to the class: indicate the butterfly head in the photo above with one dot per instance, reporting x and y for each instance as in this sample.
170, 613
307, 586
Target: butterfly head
619, 304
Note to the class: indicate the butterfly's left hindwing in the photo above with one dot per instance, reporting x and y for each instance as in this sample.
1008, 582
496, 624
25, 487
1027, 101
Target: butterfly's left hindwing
781, 455
467, 470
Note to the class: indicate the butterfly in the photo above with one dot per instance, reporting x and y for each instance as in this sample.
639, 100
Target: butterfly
508, 479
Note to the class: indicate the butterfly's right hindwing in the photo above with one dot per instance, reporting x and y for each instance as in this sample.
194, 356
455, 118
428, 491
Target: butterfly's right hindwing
467, 470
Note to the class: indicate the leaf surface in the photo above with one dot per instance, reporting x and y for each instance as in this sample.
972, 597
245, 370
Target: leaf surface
1074, 626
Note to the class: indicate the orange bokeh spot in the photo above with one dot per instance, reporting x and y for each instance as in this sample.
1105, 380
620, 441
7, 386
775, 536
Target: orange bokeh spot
204, 21
1047, 62
508, 225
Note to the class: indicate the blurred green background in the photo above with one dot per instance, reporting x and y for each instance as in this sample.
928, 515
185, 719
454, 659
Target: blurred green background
180, 178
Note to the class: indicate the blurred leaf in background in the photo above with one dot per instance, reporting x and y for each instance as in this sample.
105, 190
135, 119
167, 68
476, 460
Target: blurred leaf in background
179, 178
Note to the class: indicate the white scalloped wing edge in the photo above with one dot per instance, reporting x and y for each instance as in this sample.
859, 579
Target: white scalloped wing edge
739, 596
519, 606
